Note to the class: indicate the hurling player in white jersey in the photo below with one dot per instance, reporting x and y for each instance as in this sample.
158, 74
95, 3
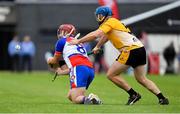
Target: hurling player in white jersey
79, 67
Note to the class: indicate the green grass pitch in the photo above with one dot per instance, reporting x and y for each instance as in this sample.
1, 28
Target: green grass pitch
36, 93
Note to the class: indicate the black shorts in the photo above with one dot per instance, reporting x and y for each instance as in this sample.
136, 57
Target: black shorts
134, 58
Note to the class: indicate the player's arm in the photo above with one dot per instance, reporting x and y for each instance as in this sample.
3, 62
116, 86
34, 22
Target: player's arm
58, 52
57, 57
53, 60
62, 71
89, 37
101, 42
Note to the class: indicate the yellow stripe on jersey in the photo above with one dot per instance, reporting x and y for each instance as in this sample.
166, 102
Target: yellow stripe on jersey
123, 57
118, 34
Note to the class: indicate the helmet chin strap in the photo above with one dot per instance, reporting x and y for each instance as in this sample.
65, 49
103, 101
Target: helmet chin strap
100, 22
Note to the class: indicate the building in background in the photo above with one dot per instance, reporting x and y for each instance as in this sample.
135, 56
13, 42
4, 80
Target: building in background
40, 19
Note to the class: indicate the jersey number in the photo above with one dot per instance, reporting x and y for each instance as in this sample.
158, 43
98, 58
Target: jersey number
81, 49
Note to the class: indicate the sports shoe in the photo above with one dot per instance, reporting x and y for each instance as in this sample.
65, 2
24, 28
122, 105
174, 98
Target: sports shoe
133, 99
164, 101
94, 99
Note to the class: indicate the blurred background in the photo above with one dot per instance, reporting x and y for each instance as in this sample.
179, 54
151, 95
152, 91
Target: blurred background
32, 25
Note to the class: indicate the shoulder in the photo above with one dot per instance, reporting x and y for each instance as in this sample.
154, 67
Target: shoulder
64, 40
69, 39
61, 41
60, 44
112, 20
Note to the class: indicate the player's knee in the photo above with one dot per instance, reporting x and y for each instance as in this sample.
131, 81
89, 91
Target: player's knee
72, 96
109, 76
141, 80
69, 96
75, 100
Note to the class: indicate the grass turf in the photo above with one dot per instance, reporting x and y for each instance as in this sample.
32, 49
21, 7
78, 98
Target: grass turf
35, 92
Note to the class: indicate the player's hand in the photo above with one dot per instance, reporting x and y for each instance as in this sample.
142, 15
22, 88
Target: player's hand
52, 63
50, 60
96, 50
59, 71
74, 42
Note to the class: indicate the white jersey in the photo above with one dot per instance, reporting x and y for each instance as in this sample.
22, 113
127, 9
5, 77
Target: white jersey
73, 55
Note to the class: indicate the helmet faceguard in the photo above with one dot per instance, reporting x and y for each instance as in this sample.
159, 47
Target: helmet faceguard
101, 13
66, 30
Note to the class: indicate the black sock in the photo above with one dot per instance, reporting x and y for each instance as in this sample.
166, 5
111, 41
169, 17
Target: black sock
131, 92
160, 96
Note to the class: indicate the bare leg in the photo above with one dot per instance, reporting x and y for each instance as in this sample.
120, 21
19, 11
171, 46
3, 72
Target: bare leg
114, 75
76, 95
114, 72
139, 73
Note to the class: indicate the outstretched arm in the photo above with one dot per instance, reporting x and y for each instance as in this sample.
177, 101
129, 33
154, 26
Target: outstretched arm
89, 37
101, 42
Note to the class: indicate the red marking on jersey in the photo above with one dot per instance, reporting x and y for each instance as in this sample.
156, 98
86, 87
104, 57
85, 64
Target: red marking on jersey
77, 60
73, 85
69, 39
58, 53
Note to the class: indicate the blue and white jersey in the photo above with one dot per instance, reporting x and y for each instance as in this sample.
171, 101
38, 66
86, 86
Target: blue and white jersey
74, 55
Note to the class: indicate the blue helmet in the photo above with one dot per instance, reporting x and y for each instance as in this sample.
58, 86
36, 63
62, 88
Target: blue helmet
104, 10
